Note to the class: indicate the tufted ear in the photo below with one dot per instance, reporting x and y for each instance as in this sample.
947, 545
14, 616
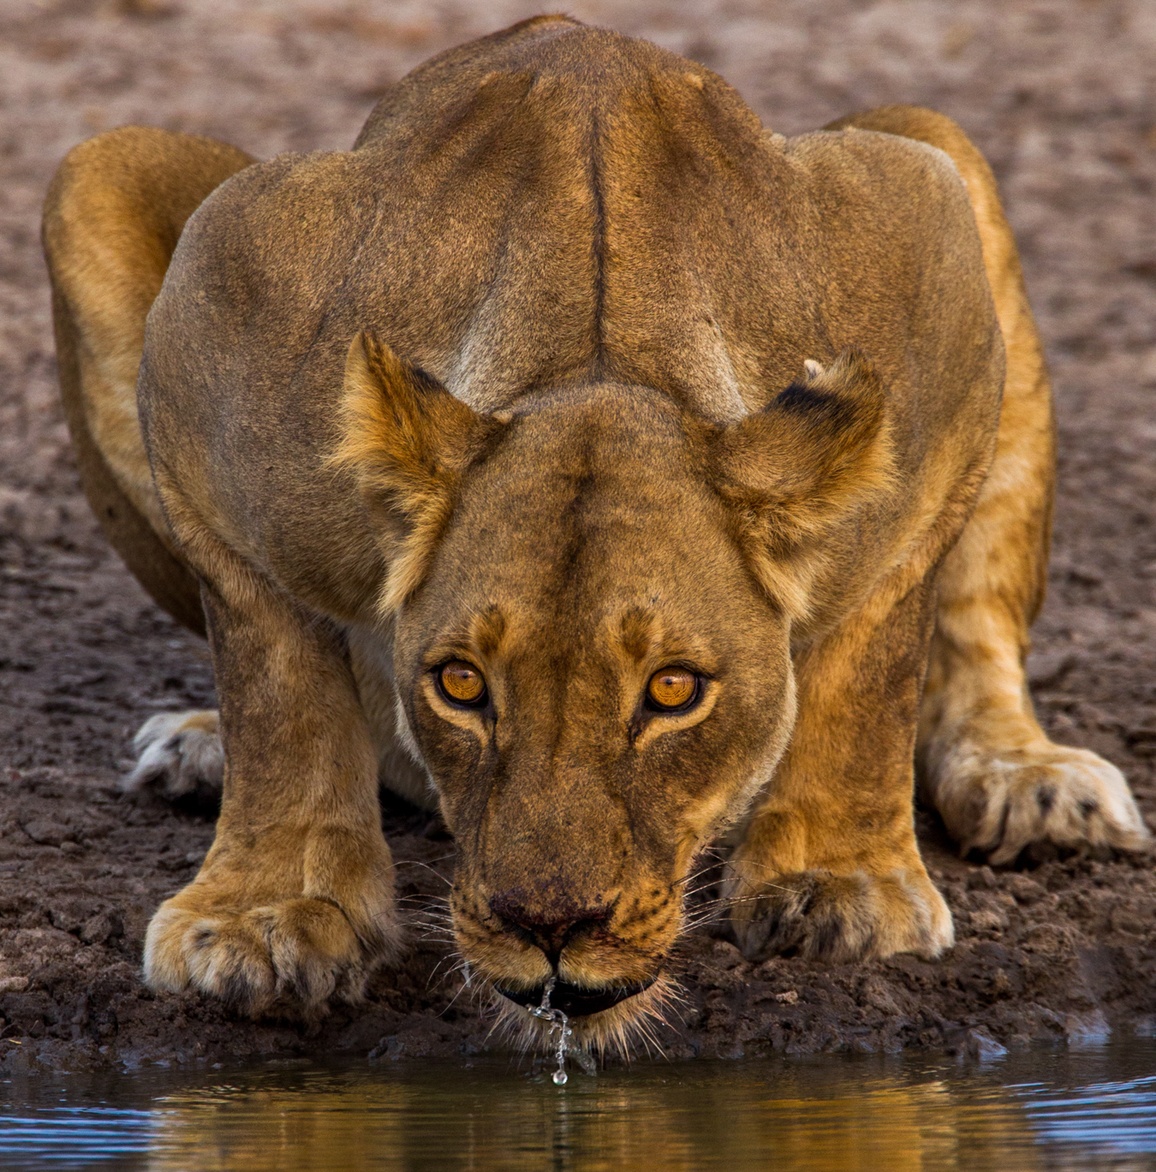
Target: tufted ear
793, 471
408, 441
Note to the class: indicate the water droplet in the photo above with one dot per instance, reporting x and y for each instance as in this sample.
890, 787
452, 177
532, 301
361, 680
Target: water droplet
563, 1033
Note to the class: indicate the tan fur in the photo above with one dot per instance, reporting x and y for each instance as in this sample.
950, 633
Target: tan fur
404, 456
985, 763
112, 218
571, 370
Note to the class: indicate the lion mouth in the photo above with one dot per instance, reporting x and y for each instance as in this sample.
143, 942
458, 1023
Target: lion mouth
575, 1000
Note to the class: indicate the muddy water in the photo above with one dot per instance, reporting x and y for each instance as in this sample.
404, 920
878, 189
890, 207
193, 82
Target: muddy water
1044, 1109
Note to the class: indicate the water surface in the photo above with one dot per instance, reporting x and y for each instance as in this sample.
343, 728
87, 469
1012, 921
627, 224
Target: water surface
1047, 1109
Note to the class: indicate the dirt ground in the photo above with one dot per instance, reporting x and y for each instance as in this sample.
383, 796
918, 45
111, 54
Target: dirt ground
1058, 93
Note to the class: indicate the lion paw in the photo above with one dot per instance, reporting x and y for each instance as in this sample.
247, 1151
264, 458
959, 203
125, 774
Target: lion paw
179, 756
840, 918
999, 804
297, 953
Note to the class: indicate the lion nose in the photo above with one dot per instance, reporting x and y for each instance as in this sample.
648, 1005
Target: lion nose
550, 929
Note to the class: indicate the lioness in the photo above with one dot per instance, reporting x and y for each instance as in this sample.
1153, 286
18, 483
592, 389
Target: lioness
586, 461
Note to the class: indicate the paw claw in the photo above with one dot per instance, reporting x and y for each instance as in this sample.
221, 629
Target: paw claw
842, 918
298, 953
1003, 804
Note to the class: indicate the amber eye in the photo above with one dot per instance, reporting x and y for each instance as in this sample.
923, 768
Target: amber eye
462, 684
672, 689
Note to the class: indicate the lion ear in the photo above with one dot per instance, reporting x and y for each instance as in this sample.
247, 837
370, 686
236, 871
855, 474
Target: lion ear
408, 442
794, 470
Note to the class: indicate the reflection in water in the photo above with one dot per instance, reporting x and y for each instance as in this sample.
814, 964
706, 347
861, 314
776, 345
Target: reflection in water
1053, 1109
633, 1121
1111, 1118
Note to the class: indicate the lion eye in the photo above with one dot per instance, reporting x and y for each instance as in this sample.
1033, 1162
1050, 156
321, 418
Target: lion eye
672, 689
462, 684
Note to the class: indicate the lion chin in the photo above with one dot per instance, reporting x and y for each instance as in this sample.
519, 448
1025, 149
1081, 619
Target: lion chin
609, 1020
576, 1000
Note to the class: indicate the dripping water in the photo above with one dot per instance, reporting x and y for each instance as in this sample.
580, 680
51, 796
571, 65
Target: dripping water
563, 1034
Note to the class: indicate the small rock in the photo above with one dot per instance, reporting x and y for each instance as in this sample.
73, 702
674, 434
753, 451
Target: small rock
789, 997
982, 1048
1084, 575
102, 927
1087, 1030
1126, 919
726, 955
989, 920
1025, 889
46, 831
391, 1048
1046, 668
1141, 738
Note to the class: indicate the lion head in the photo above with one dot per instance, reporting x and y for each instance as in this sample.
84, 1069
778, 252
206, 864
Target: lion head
592, 595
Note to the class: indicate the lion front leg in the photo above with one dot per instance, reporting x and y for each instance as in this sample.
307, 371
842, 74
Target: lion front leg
987, 766
294, 903
829, 867
998, 782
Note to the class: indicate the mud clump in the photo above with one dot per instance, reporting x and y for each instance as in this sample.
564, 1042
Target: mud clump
1061, 949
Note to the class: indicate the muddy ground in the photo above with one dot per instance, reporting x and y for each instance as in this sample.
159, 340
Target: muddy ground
1059, 96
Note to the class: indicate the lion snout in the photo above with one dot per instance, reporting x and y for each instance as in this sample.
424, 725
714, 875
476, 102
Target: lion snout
596, 948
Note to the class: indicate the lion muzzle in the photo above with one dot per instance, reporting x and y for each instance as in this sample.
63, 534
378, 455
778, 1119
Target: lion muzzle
551, 931
591, 948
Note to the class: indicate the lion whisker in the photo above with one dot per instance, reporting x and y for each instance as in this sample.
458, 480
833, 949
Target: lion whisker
433, 910
691, 923
459, 963
427, 867
433, 914
697, 875
432, 930
462, 967
689, 895
423, 862
431, 904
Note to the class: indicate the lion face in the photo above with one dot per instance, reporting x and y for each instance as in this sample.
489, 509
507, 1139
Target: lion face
597, 685
592, 599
